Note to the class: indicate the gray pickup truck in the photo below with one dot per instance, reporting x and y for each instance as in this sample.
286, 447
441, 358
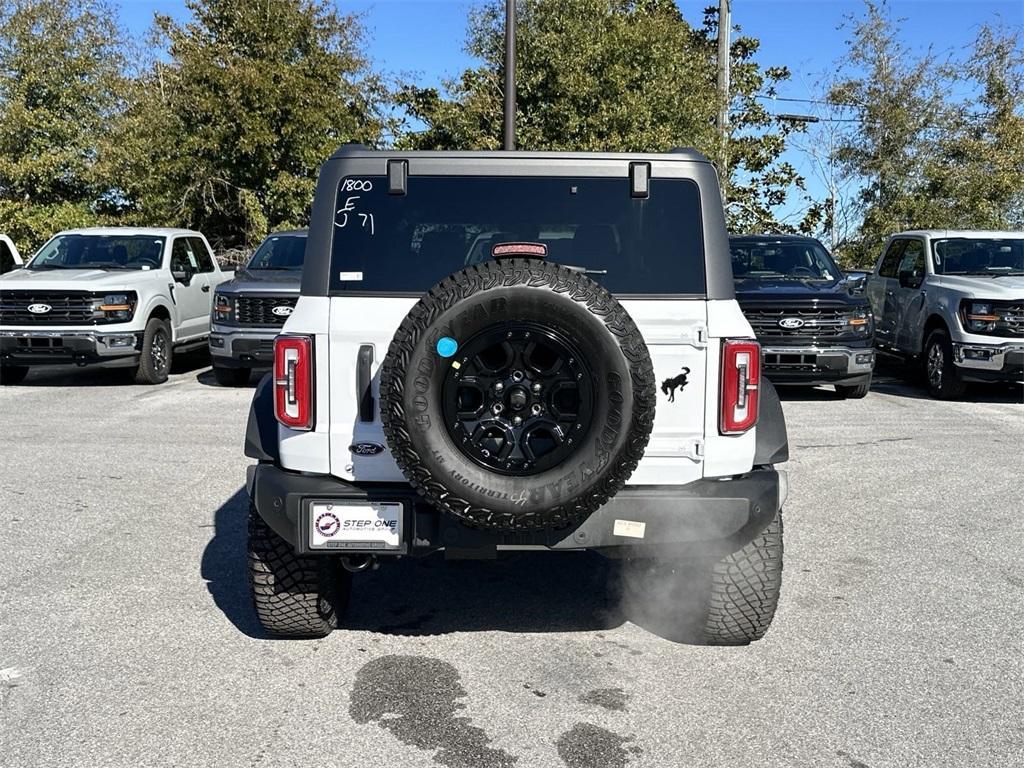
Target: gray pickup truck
953, 300
249, 310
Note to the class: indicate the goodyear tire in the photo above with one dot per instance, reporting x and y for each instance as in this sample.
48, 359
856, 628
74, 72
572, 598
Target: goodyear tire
517, 395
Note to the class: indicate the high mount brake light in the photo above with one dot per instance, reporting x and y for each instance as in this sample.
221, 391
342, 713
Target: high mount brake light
531, 250
293, 381
741, 386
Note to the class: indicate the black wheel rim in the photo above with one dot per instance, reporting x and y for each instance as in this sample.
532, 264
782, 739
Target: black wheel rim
518, 399
158, 352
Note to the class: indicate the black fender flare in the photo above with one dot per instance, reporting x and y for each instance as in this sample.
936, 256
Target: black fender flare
261, 430
772, 442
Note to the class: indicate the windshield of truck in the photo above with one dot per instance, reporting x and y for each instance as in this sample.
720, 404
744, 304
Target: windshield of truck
978, 256
100, 252
406, 243
280, 252
776, 259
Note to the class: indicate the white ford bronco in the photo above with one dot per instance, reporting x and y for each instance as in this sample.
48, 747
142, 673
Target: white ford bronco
584, 380
954, 302
118, 297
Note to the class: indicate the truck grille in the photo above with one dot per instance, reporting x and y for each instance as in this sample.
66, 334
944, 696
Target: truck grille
65, 308
815, 324
1012, 313
253, 310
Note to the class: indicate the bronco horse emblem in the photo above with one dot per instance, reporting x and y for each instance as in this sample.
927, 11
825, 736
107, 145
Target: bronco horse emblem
669, 386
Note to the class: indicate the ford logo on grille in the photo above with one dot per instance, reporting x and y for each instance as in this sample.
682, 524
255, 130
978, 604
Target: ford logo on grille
39, 309
791, 322
282, 311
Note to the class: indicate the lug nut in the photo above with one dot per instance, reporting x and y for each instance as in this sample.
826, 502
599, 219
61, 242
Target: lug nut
498, 387
516, 421
536, 386
517, 376
497, 408
536, 409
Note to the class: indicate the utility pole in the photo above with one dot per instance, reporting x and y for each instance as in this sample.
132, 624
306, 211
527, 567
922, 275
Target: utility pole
510, 74
724, 27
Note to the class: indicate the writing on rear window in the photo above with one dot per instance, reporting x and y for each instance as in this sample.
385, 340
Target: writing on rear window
406, 243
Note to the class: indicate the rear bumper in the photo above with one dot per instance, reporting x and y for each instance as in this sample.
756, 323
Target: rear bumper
705, 516
989, 362
812, 365
242, 347
56, 347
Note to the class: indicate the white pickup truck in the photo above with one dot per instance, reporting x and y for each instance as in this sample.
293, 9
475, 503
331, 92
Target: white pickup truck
953, 300
117, 297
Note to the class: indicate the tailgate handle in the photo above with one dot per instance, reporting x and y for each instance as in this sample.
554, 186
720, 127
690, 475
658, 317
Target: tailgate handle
363, 364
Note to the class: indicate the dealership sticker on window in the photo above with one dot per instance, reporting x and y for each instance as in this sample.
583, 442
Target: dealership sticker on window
350, 276
630, 528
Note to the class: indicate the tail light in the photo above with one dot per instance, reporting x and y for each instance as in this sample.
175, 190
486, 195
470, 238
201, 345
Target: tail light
741, 382
293, 381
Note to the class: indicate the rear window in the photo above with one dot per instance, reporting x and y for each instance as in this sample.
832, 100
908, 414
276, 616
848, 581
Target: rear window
406, 243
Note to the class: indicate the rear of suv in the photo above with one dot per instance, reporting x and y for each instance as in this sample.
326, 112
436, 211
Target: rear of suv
495, 352
250, 309
814, 323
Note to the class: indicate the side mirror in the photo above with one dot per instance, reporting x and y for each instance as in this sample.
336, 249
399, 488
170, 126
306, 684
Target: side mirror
856, 281
183, 276
910, 278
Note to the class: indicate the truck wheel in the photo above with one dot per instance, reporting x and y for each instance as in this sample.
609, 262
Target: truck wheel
231, 377
12, 374
157, 352
854, 391
517, 395
745, 589
944, 381
726, 601
294, 596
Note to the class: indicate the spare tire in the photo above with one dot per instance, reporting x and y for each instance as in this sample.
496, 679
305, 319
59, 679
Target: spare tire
517, 394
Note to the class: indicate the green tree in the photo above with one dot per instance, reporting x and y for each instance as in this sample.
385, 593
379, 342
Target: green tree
61, 64
976, 174
228, 131
899, 99
611, 75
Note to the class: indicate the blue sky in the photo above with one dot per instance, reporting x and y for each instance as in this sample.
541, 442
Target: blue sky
424, 37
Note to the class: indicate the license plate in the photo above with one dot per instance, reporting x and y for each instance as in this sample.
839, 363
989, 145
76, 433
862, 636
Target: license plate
355, 525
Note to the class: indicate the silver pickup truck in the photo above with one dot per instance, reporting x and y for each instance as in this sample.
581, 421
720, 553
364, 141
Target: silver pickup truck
953, 300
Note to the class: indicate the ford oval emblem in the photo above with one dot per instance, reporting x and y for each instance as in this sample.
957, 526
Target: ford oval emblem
282, 311
791, 322
366, 449
39, 309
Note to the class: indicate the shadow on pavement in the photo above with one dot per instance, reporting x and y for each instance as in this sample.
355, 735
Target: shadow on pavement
522, 592
92, 376
224, 565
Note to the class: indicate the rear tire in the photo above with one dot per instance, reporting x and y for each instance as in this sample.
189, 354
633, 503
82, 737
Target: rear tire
942, 377
854, 391
157, 353
745, 588
231, 377
293, 596
725, 601
12, 374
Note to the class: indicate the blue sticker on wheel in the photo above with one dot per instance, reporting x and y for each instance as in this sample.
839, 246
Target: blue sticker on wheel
447, 346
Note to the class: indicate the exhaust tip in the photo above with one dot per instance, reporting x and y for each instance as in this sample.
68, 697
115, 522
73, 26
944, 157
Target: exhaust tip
357, 563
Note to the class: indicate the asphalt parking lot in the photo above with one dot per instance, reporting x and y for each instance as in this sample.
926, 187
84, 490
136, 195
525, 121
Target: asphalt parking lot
126, 636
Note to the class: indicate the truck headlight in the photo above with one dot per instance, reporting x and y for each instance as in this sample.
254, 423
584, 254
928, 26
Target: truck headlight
860, 322
115, 306
978, 316
223, 308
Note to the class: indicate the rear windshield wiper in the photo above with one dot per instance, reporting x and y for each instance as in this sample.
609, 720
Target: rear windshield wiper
585, 270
